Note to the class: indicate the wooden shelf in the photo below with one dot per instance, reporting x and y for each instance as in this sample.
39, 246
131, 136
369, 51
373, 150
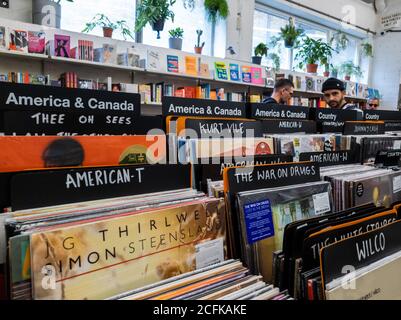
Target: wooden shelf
19, 54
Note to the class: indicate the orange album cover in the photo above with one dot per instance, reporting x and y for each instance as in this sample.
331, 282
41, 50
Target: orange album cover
39, 152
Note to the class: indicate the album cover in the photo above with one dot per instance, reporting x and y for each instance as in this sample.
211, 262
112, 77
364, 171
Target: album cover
172, 64
37, 42
109, 54
281, 206
19, 40
62, 46
28, 152
3, 38
127, 252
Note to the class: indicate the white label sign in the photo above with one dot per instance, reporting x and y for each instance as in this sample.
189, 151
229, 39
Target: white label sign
209, 253
321, 202
396, 184
391, 21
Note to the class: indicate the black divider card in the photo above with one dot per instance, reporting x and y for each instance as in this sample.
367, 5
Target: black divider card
360, 251
388, 158
330, 158
204, 128
271, 176
47, 188
203, 108
363, 128
288, 126
332, 120
376, 115
15, 96
278, 111
392, 126
214, 168
76, 123
312, 245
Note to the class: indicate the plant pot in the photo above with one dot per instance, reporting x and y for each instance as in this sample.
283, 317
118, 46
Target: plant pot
175, 43
347, 78
289, 44
158, 26
312, 68
107, 32
334, 74
46, 13
257, 60
326, 74
198, 50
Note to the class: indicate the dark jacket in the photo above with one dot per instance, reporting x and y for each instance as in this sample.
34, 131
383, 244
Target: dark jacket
270, 100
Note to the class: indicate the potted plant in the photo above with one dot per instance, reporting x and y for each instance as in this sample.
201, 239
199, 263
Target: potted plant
312, 52
101, 20
260, 51
47, 12
334, 71
349, 69
290, 34
326, 72
154, 12
199, 46
367, 49
175, 40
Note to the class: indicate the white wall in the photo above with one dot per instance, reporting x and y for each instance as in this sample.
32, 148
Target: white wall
387, 61
20, 10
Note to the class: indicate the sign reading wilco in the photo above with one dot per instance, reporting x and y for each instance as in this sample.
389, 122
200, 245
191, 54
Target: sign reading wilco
203, 108
277, 111
15, 96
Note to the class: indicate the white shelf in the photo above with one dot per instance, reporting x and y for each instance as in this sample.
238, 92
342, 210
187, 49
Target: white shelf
43, 57
179, 75
13, 53
96, 64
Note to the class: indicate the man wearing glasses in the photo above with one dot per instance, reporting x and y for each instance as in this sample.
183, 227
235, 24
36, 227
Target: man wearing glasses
373, 104
282, 93
334, 94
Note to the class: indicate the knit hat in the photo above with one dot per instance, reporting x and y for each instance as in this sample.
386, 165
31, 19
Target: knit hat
333, 84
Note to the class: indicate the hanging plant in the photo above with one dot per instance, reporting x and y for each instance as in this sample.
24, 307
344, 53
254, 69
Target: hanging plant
367, 49
216, 10
339, 41
154, 12
290, 34
189, 4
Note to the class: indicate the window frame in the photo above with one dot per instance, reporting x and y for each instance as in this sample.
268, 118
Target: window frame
315, 25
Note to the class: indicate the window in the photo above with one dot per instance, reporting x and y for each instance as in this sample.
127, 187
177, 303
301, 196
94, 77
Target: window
74, 15
267, 24
190, 21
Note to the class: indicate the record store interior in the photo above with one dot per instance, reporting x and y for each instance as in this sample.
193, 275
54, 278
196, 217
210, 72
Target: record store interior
200, 150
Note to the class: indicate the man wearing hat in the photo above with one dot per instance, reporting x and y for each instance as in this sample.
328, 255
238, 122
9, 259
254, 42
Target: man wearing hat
334, 94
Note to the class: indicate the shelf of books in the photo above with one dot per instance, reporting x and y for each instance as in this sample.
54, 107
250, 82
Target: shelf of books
135, 67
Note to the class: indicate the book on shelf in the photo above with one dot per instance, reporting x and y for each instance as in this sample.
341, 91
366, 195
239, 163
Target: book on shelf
129, 87
62, 46
254, 98
19, 40
234, 72
69, 80
173, 64
153, 61
191, 65
204, 70
36, 42
221, 70
25, 77
221, 95
246, 74
84, 51
3, 38
146, 93
186, 92
106, 54
256, 75
169, 90
280, 76
85, 84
